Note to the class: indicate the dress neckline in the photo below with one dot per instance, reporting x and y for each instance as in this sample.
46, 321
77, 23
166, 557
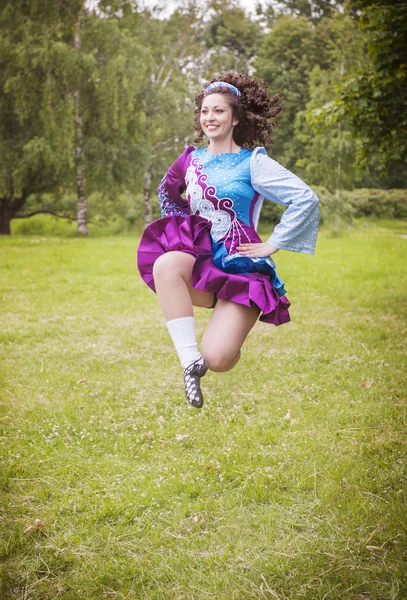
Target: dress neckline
223, 153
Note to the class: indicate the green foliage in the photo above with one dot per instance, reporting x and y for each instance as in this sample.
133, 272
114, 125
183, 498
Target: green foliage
286, 57
232, 38
307, 62
344, 206
44, 225
270, 213
36, 130
383, 204
108, 214
342, 80
111, 95
123, 212
42, 69
374, 99
173, 67
59, 202
329, 148
310, 9
336, 210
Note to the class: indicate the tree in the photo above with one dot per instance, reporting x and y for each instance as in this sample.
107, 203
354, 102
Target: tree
310, 9
286, 58
195, 42
172, 60
114, 69
329, 147
52, 86
232, 38
82, 209
374, 98
36, 132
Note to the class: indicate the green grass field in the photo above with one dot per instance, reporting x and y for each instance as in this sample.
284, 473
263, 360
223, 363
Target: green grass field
289, 484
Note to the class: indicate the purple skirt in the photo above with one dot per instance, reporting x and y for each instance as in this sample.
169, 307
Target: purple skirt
192, 235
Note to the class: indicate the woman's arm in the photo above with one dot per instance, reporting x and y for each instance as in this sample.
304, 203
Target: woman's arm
298, 227
172, 186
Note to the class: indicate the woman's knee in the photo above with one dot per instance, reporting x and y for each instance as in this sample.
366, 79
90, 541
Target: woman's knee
172, 263
218, 360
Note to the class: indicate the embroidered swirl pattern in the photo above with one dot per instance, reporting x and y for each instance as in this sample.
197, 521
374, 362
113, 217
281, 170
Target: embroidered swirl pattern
168, 206
203, 200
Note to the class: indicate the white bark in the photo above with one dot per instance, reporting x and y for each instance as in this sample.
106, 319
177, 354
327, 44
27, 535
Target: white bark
82, 205
148, 213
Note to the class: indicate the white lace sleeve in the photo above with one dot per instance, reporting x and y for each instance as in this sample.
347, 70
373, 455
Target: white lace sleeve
298, 227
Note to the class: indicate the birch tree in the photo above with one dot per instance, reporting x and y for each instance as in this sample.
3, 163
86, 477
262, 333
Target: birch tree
36, 130
69, 99
173, 46
82, 209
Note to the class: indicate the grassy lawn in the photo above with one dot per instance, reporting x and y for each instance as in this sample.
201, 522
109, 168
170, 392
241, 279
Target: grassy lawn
289, 484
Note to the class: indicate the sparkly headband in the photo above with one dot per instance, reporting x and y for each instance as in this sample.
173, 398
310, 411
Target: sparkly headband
217, 84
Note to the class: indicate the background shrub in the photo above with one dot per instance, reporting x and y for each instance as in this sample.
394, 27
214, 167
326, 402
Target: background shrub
383, 204
124, 212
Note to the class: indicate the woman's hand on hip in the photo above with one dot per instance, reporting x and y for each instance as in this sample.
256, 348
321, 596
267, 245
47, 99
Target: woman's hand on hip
257, 250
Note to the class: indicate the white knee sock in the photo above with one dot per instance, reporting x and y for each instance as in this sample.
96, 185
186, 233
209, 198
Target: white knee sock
183, 335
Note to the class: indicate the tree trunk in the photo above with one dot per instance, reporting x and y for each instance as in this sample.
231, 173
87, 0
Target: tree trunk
148, 213
338, 185
5, 217
9, 207
147, 208
82, 205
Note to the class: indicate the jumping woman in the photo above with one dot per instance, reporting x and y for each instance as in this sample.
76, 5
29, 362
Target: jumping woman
205, 251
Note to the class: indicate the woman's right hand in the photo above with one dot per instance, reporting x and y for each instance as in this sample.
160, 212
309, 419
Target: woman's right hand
261, 250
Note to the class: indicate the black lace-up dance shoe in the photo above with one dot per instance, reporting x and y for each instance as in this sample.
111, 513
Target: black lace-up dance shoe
192, 378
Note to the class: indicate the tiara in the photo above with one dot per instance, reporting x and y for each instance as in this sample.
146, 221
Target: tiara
224, 84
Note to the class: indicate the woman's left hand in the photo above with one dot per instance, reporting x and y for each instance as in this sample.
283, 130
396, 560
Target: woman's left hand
257, 250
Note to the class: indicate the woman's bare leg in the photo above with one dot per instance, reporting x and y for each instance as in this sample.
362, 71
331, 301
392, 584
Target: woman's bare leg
225, 334
172, 273
172, 277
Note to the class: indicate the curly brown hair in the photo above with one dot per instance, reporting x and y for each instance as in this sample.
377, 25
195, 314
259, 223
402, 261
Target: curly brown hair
254, 109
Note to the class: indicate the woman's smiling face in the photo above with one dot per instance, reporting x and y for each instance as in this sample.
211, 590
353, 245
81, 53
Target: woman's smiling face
217, 120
